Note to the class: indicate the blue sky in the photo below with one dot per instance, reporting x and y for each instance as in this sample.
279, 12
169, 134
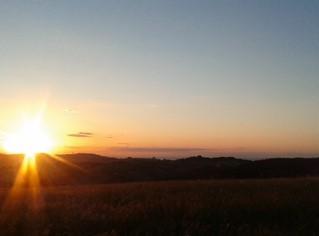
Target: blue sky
197, 74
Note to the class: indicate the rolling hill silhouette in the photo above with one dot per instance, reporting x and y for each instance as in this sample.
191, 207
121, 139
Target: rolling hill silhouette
91, 168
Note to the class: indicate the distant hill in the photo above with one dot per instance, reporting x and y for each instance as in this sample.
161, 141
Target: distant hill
91, 168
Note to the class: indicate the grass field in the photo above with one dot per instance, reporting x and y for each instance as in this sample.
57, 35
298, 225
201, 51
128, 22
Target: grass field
230, 207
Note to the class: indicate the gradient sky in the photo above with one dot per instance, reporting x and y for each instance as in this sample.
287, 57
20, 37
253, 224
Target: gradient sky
165, 78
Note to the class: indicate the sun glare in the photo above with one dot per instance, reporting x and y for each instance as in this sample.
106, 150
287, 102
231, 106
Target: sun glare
31, 138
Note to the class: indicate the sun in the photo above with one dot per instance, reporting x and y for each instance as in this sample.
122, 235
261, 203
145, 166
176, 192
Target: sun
29, 139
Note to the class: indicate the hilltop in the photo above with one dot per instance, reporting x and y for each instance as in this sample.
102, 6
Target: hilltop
91, 168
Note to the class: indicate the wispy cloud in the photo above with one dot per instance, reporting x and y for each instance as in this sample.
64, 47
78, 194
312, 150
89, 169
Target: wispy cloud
124, 149
81, 135
70, 111
156, 149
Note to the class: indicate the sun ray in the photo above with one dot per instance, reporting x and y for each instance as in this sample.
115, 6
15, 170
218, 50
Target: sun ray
29, 139
68, 163
24, 194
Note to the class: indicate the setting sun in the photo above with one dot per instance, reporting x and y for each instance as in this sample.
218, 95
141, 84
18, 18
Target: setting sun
31, 138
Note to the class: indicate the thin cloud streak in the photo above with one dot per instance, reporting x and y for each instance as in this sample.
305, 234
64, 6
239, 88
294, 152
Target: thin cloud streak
81, 135
155, 149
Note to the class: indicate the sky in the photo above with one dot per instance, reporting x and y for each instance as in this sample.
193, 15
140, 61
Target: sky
164, 78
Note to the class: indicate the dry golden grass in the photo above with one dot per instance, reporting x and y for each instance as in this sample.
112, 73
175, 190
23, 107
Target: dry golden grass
230, 207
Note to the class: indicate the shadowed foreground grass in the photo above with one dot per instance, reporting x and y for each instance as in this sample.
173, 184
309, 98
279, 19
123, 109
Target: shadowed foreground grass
232, 207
